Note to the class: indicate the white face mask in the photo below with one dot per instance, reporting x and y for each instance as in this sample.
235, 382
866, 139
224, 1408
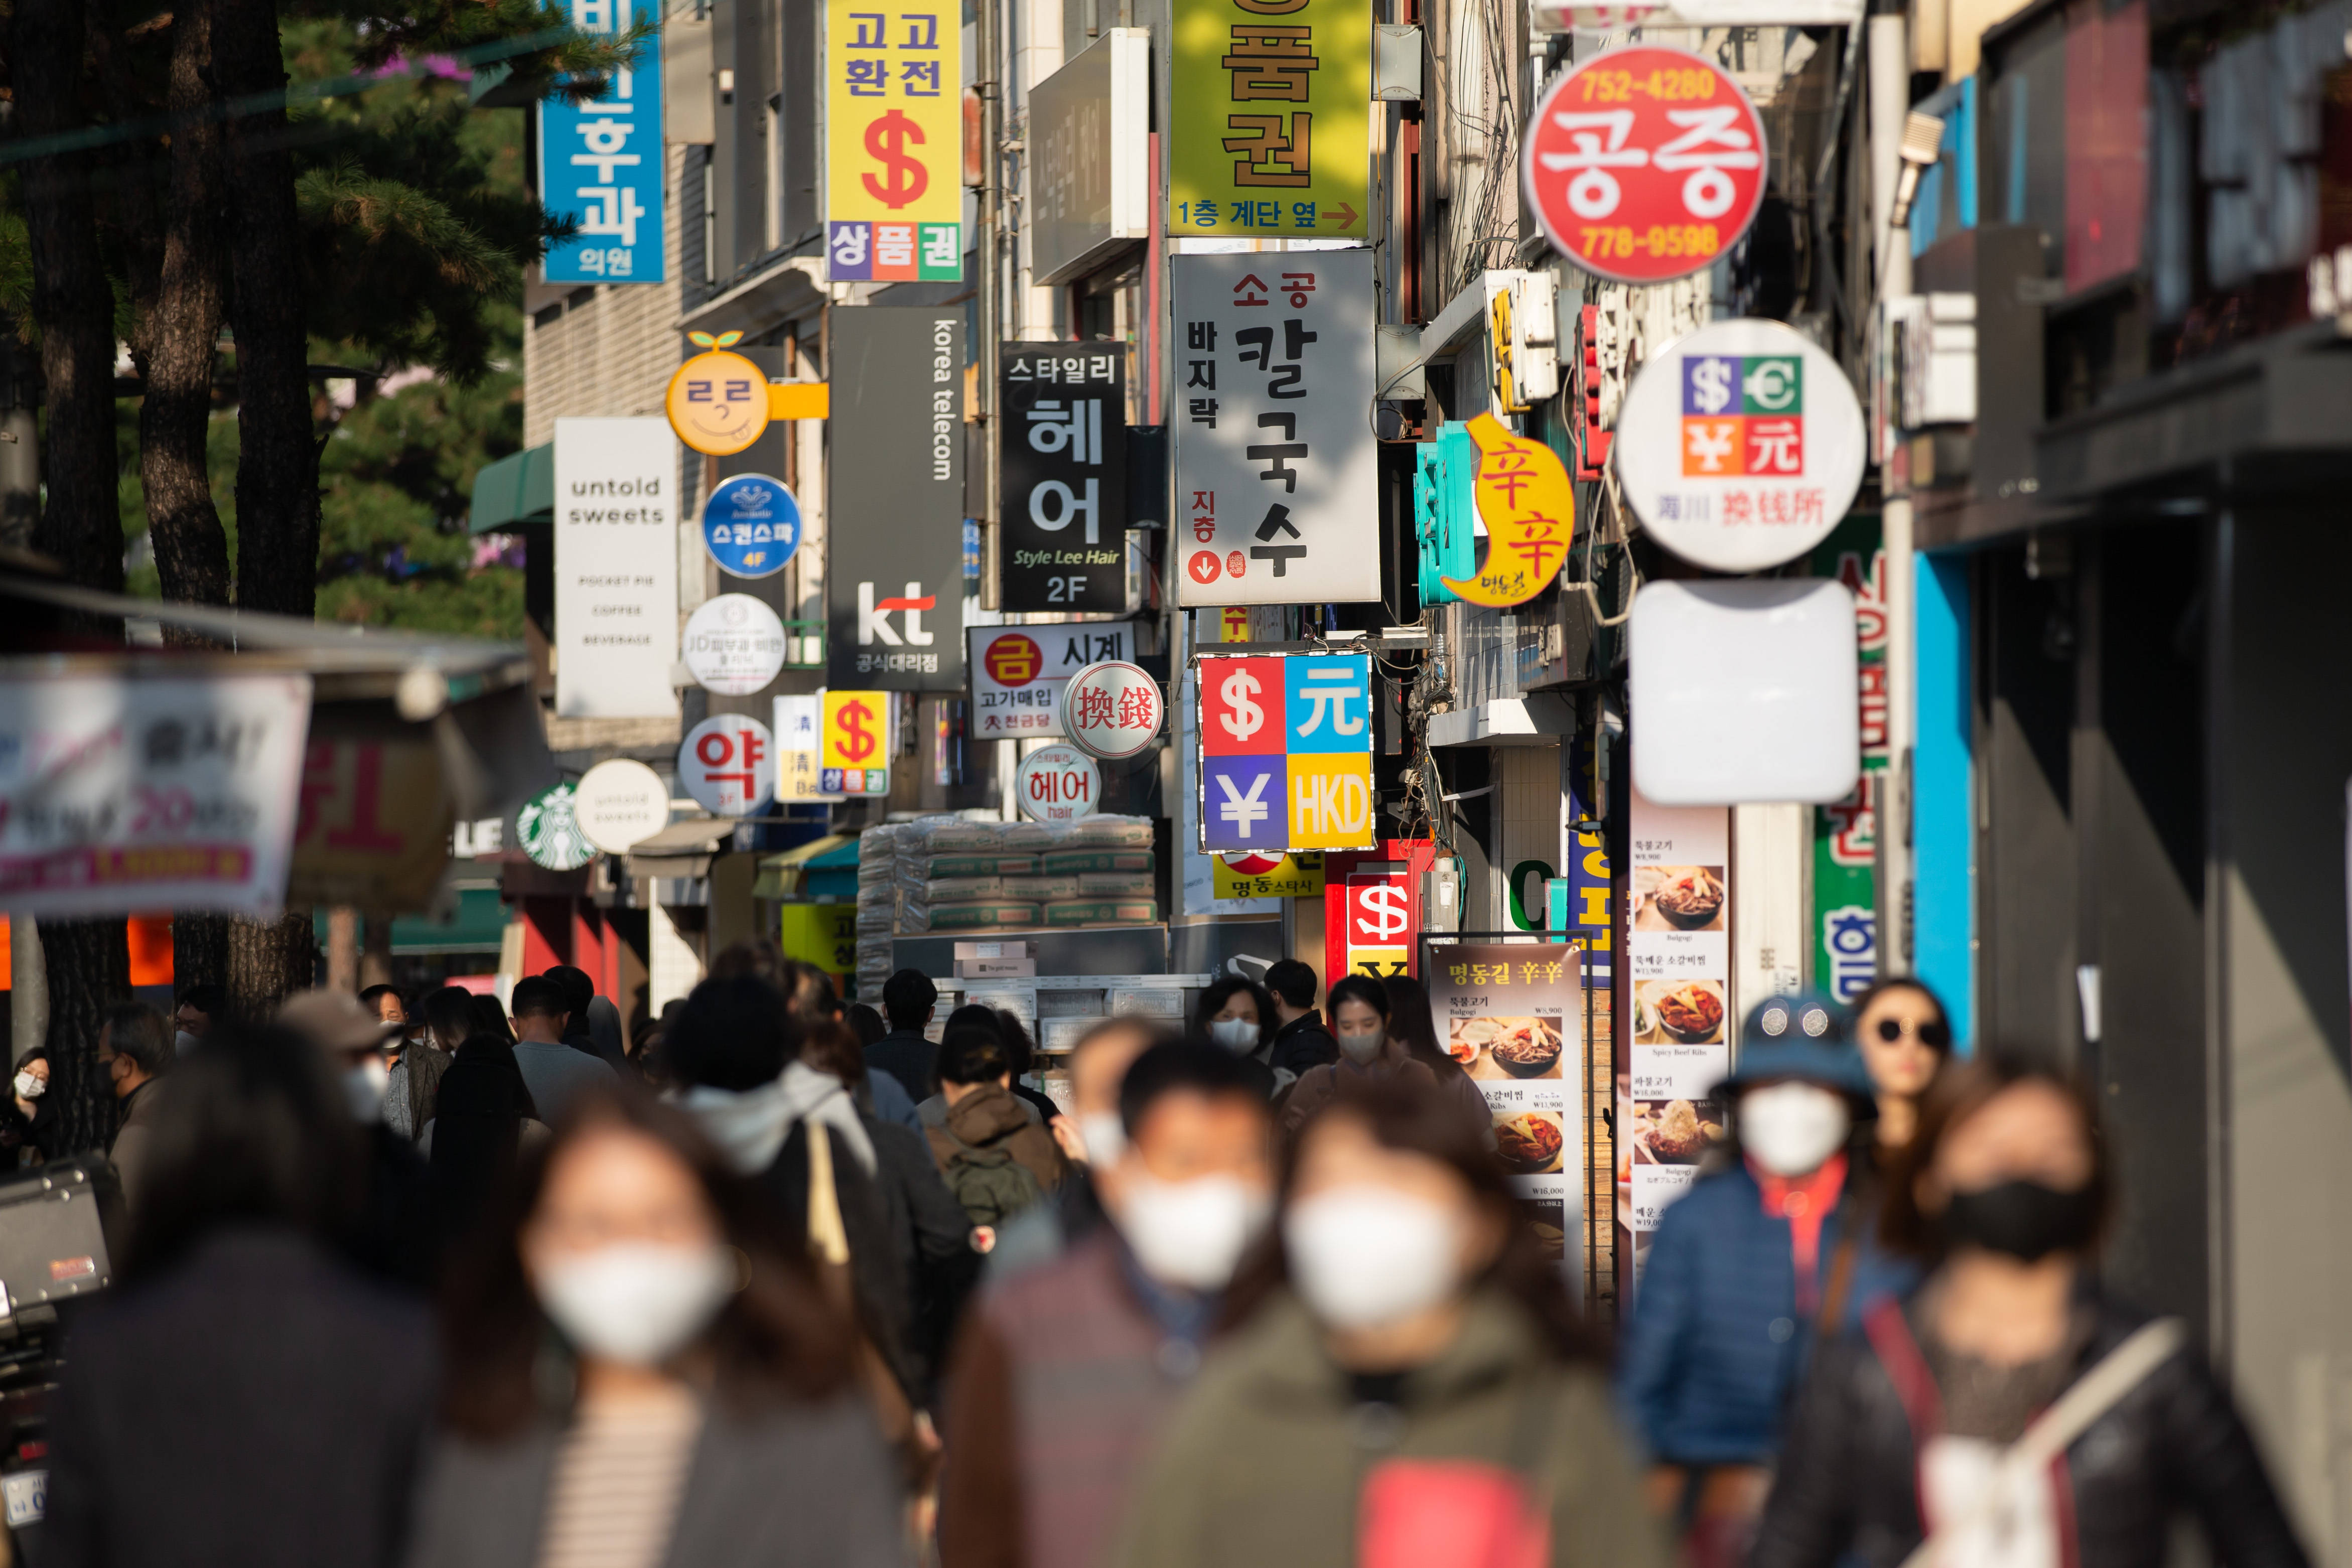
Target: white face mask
31, 1086
184, 1042
1360, 1048
633, 1302
364, 1088
1363, 1257
1105, 1136
1791, 1128
1237, 1035
1190, 1233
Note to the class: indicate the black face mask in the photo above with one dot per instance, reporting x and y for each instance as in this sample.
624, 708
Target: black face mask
2023, 1218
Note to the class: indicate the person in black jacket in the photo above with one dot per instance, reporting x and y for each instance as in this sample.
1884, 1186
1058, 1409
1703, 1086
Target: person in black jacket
905, 1053
1301, 1040
579, 1031
243, 1395
1902, 1425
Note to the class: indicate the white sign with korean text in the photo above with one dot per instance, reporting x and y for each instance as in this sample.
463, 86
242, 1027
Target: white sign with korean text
618, 803
1018, 673
734, 644
1277, 498
1057, 784
800, 731
727, 763
615, 568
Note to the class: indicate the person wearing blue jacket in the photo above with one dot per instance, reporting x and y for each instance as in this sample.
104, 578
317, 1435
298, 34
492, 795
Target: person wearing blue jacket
1775, 1246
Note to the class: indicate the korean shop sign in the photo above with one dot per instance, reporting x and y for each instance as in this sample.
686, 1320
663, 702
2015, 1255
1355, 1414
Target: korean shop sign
1057, 784
1272, 118
727, 763
720, 402
1523, 497
751, 525
1253, 875
1062, 460
600, 163
854, 743
1276, 484
1643, 164
1019, 673
615, 569
1740, 447
1286, 758
1113, 710
798, 720
893, 188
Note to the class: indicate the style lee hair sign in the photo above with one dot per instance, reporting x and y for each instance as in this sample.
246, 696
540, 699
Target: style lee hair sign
1062, 414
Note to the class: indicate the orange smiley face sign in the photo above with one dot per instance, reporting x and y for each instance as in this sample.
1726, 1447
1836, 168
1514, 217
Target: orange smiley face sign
719, 402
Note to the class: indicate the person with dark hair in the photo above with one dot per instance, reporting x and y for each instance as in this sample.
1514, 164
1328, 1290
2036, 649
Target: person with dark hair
906, 1054
1021, 1050
973, 1018
31, 1130
1237, 1016
641, 1366
412, 1091
579, 993
555, 1069
393, 1237
2011, 1411
1065, 1376
134, 1048
1369, 1054
878, 1093
992, 1151
486, 1016
1406, 1368
388, 1005
1301, 1040
242, 1395
483, 1120
198, 1008
1092, 1134
864, 1023
1414, 1025
1905, 1041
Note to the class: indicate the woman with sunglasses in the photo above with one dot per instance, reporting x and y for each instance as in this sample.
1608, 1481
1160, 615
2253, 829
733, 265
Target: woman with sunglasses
1906, 1040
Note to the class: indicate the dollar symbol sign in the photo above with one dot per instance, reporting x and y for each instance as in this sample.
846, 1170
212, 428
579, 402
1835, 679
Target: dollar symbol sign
1384, 912
856, 744
886, 139
1710, 379
1246, 718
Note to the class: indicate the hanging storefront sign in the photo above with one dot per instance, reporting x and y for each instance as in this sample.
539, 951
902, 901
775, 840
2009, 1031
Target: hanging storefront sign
727, 763
893, 571
734, 644
120, 794
1382, 922
1019, 673
600, 163
798, 724
1845, 833
1062, 463
1253, 875
1278, 488
1270, 131
374, 826
1113, 710
1679, 945
751, 525
615, 569
1523, 497
854, 743
550, 830
1089, 125
619, 802
1643, 164
894, 141
1740, 447
720, 402
824, 935
1194, 876
1285, 752
1057, 784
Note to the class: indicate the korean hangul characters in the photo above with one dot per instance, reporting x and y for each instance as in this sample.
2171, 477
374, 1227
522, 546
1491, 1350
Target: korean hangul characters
1203, 411
869, 79
919, 78
1077, 429
1201, 374
943, 245
1098, 367
1299, 285
1201, 336
1302, 214
851, 247
1274, 149
1269, 62
1019, 370
894, 247
1049, 370
612, 211
1256, 345
1712, 140
922, 30
1205, 515
1598, 139
1250, 291
1276, 457
605, 139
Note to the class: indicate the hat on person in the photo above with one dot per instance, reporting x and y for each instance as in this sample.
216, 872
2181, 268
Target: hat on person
1801, 1037
335, 1020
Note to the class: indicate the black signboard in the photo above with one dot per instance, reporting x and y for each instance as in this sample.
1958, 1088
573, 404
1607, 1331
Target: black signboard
1062, 474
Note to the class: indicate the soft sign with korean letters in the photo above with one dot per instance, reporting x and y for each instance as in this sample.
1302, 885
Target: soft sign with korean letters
1019, 673
1285, 752
893, 188
854, 744
1278, 492
1057, 784
734, 644
600, 163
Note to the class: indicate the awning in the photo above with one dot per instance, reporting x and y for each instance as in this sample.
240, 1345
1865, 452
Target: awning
781, 875
515, 491
477, 924
682, 849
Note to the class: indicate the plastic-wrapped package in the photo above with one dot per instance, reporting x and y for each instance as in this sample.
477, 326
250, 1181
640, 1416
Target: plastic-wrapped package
1042, 889
1088, 832
918, 867
1102, 912
1114, 884
918, 917
1017, 837
957, 889
1069, 862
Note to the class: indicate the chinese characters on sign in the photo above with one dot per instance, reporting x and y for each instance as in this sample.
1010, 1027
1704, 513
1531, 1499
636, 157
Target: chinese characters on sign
1741, 445
1018, 673
1643, 164
600, 163
1285, 752
1679, 946
615, 569
1062, 415
1112, 710
1523, 495
1277, 497
1272, 120
893, 188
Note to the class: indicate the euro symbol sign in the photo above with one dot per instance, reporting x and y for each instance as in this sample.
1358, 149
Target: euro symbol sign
856, 743
906, 178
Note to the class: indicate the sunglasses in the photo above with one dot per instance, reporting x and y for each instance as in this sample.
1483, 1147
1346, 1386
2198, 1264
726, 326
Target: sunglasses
1935, 1036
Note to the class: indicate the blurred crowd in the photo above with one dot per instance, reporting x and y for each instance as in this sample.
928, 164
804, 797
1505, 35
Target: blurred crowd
784, 1281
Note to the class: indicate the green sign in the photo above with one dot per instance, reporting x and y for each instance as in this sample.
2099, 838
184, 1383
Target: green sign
551, 832
1845, 835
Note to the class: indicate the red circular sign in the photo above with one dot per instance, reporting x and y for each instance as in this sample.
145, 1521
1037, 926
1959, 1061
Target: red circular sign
1112, 709
1013, 659
1203, 566
1644, 164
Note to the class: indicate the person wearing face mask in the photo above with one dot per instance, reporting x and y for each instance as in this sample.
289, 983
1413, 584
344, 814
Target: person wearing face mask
2010, 1412
1065, 1376
640, 1366
1238, 1015
413, 1093
1092, 1134
1408, 1382
1414, 1025
1905, 1041
30, 1128
1759, 1258
199, 1006
392, 1237
1368, 1055
1299, 1041
134, 1048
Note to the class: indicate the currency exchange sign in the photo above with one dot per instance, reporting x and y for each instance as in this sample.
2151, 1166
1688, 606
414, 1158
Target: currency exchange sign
894, 148
1286, 758
1271, 119
854, 746
600, 163
1277, 466
1062, 415
1643, 164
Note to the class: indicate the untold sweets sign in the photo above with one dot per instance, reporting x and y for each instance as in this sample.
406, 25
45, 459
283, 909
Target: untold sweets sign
893, 188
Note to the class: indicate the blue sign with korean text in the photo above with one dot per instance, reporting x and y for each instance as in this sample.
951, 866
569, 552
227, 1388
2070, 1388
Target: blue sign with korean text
751, 525
600, 163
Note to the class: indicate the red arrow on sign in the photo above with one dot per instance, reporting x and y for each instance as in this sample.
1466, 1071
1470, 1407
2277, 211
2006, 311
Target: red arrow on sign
1345, 216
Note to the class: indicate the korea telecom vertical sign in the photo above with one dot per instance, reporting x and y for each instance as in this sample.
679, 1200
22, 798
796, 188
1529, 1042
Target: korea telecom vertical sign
894, 191
1271, 122
1276, 483
600, 163
1285, 752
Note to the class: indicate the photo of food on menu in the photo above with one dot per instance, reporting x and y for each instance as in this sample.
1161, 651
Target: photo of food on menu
1678, 898
1669, 1132
1501, 1049
1679, 1012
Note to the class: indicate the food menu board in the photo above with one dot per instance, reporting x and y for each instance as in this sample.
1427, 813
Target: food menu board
1679, 944
1507, 1012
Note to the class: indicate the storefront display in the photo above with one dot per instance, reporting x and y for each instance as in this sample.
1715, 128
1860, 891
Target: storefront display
1679, 945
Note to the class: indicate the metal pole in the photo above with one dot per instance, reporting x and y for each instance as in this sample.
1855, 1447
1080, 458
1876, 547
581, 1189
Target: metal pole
1890, 102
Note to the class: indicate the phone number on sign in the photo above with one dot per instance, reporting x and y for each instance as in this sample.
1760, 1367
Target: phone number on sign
1664, 86
1658, 239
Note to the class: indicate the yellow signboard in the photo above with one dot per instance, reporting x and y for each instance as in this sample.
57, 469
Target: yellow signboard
1271, 119
894, 148
856, 731
1267, 876
720, 402
1331, 799
824, 935
1524, 499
